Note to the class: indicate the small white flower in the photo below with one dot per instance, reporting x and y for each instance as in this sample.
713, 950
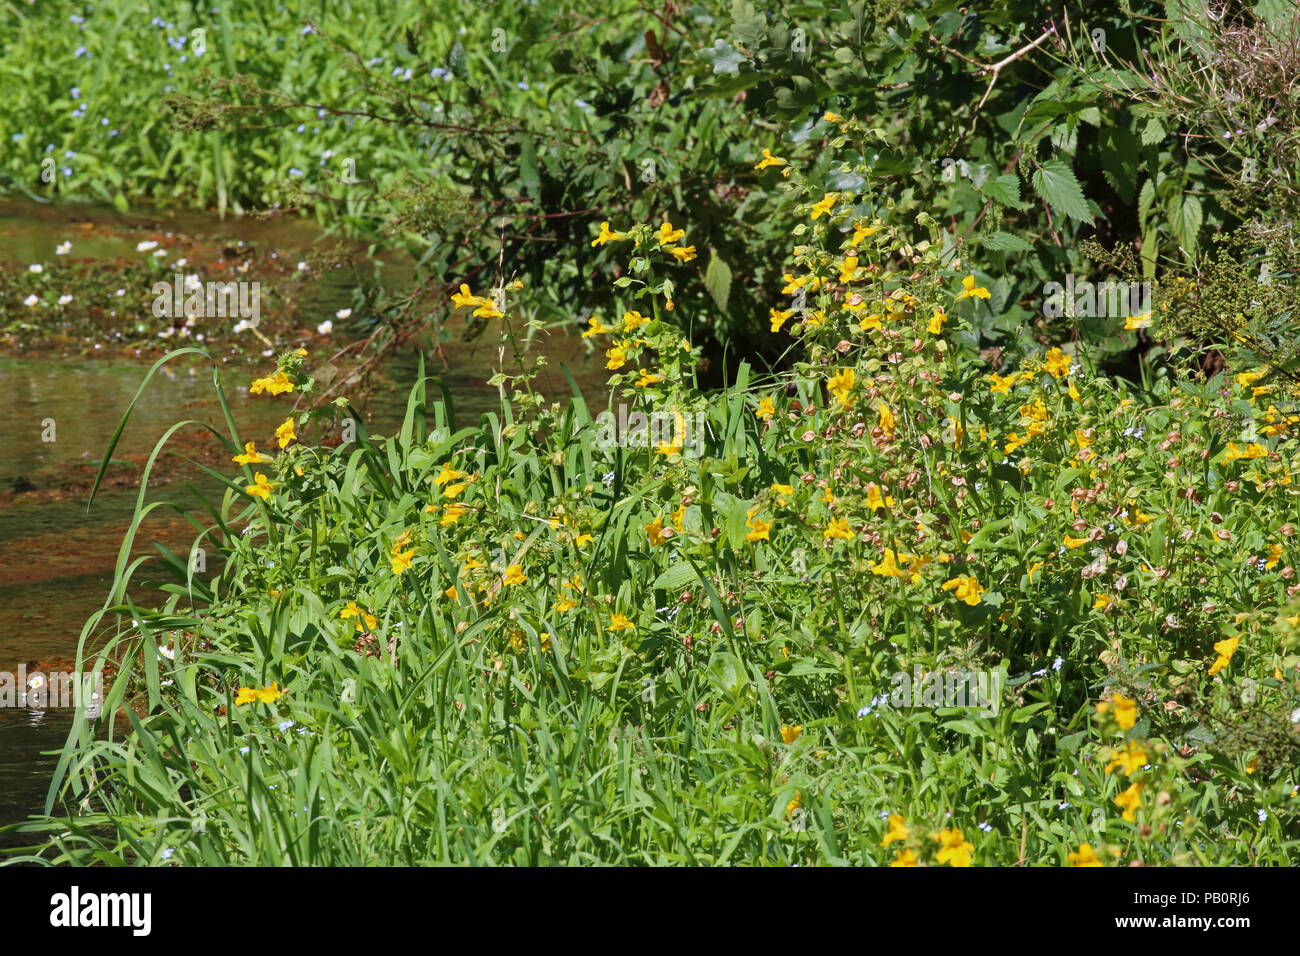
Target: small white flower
302, 267
285, 725
325, 328
986, 827
63, 248
1263, 815
146, 245
36, 267
1056, 664
181, 263
31, 300
119, 293
1295, 716
64, 299
241, 325
342, 313
167, 853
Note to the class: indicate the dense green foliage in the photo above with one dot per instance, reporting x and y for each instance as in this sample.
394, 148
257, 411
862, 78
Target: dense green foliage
526, 639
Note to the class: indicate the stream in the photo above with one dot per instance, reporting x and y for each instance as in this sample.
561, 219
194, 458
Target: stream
59, 411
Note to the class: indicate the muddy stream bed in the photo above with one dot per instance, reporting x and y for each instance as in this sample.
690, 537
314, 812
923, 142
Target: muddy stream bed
62, 397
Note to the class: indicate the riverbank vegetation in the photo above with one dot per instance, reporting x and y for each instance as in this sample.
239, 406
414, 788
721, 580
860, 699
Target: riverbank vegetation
533, 637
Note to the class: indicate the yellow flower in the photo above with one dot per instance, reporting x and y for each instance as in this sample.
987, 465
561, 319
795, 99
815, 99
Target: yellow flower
668, 235
872, 321
1103, 601
1131, 758
970, 290
849, 269
888, 568
648, 379
1085, 856
841, 385
606, 235
618, 622
1075, 542
794, 804
596, 328
565, 603
905, 858
1014, 441
617, 359
353, 611
655, 529
766, 409
261, 488
823, 206
967, 589
830, 117
401, 560
838, 528
1057, 363
633, 321
1274, 556
759, 530
887, 421
1125, 711
1130, 800
451, 514
937, 320
266, 695
1225, 649
1137, 321
955, 851
447, 474
875, 500
1002, 386
275, 384
779, 318
683, 253
582, 540
791, 734
464, 298
250, 455
284, 434
861, 231
487, 309
769, 160
1251, 451
897, 830
514, 575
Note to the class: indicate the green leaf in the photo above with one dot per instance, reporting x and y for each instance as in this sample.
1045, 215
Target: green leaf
676, 577
717, 279
1153, 132
1006, 242
1186, 222
1005, 189
1055, 182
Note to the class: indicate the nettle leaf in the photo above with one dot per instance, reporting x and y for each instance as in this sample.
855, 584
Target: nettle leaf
1055, 182
717, 280
1185, 219
1006, 242
1153, 132
1005, 189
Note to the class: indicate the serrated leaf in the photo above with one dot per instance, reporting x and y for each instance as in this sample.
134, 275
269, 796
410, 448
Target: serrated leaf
1006, 242
1055, 182
1153, 132
1186, 221
1005, 189
722, 57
